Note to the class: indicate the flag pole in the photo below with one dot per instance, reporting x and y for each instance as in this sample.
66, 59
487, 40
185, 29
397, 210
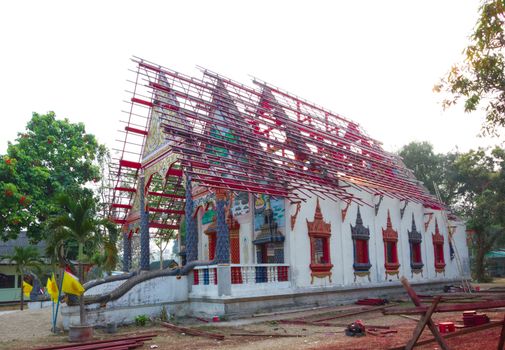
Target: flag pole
52, 314
58, 301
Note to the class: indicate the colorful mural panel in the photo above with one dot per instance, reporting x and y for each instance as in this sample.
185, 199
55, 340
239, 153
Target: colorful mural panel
240, 204
277, 205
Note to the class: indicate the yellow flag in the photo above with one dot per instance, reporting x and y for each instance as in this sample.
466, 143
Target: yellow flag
52, 288
71, 284
27, 289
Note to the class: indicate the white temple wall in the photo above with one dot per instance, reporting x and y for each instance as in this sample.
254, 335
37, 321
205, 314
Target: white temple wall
297, 243
461, 246
341, 244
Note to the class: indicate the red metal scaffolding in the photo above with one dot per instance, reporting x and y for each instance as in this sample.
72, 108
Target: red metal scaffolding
257, 139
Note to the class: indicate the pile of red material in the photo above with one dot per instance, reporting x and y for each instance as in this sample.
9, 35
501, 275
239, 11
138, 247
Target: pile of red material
472, 318
371, 301
446, 327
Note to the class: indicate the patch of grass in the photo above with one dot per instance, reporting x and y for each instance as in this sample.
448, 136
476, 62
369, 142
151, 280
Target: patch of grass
141, 320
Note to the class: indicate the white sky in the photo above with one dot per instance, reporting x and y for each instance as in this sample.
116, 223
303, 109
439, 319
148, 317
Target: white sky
374, 62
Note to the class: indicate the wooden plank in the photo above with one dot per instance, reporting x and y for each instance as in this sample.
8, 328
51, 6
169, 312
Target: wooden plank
192, 331
293, 311
421, 324
123, 344
146, 336
447, 308
372, 309
430, 323
455, 334
273, 335
501, 342
306, 323
410, 318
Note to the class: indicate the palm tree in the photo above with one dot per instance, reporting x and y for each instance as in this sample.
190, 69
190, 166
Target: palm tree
26, 259
78, 223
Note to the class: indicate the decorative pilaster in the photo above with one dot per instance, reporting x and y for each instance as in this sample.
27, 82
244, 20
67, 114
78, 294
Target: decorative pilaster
191, 229
144, 227
438, 248
127, 252
223, 235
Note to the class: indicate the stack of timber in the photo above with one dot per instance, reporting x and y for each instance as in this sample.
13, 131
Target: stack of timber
123, 343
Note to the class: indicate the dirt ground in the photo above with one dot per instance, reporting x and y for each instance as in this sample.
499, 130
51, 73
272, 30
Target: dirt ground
31, 329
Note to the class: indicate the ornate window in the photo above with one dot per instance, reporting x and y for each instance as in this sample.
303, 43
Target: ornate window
390, 238
415, 240
438, 249
360, 237
319, 235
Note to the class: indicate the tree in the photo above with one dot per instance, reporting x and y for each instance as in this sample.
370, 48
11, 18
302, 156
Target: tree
49, 157
26, 259
432, 169
480, 78
473, 185
482, 200
78, 223
14, 212
162, 241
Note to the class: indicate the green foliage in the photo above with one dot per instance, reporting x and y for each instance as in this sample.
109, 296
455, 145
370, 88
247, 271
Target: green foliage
78, 224
164, 314
49, 157
14, 204
141, 320
480, 78
482, 200
432, 169
473, 184
26, 260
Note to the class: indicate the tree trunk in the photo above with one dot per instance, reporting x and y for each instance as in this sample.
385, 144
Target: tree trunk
82, 314
22, 292
480, 271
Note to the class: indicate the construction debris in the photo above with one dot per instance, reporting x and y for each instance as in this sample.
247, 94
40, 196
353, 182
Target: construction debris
372, 309
372, 301
380, 333
306, 323
447, 308
455, 334
425, 320
192, 331
446, 327
472, 318
356, 329
123, 343
269, 335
